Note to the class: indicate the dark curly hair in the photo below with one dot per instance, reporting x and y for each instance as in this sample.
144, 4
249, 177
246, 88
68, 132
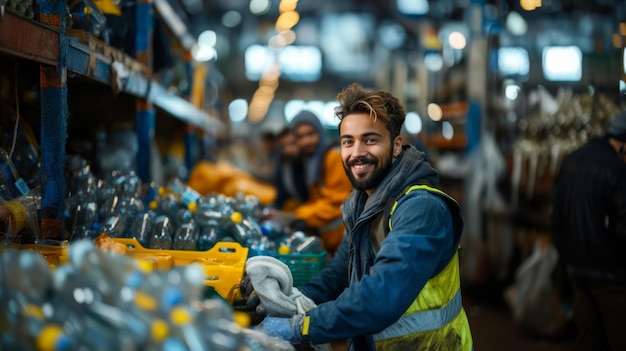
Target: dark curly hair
378, 104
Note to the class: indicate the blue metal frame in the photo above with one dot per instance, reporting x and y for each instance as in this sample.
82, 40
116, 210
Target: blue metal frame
145, 115
54, 114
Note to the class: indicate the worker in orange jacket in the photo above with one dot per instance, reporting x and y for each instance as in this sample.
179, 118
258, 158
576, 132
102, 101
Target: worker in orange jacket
326, 180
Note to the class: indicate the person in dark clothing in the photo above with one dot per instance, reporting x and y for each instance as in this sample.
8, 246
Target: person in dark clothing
589, 231
291, 189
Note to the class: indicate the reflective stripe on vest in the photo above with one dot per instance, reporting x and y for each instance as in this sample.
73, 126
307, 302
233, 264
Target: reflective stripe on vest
436, 313
423, 321
415, 187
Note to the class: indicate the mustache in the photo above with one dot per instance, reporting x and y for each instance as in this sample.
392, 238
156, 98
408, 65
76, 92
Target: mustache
363, 159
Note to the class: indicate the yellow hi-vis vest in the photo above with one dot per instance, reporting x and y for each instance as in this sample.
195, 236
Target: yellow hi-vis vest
435, 320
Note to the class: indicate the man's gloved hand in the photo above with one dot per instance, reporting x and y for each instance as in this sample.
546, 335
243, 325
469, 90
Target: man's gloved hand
253, 302
289, 329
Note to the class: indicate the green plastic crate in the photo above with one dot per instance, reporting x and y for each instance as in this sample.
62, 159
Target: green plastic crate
303, 266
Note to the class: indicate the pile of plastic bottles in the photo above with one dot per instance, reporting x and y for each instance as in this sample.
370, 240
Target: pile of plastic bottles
172, 216
100, 301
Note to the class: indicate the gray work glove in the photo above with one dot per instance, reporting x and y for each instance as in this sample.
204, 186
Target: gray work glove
253, 302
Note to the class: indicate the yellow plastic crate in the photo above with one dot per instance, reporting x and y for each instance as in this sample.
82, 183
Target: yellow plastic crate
54, 255
224, 264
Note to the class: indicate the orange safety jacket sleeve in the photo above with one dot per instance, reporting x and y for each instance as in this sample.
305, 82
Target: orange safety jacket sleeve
324, 204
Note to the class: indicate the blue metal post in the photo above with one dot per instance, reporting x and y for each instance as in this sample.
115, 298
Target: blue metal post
145, 115
190, 139
54, 114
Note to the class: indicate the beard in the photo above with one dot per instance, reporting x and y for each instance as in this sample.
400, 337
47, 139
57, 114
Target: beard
370, 181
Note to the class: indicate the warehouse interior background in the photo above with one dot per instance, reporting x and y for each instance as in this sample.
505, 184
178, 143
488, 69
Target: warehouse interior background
497, 93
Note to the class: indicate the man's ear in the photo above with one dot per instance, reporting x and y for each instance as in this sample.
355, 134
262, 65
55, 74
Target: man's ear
397, 146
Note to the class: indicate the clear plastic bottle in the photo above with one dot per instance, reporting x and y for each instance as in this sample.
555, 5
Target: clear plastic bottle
21, 212
80, 174
161, 237
140, 227
94, 303
186, 234
31, 328
299, 242
103, 291
101, 265
82, 207
108, 207
273, 229
184, 329
209, 234
25, 154
25, 277
183, 193
244, 230
213, 219
249, 206
167, 204
125, 182
17, 185
115, 226
263, 246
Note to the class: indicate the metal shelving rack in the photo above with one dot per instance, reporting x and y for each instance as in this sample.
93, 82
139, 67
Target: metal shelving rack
58, 52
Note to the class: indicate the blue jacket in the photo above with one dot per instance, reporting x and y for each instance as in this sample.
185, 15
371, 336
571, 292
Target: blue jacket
361, 291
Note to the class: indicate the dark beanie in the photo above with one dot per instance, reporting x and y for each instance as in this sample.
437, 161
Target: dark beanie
306, 117
617, 128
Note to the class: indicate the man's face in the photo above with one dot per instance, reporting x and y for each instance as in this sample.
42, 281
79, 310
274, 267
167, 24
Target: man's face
307, 138
367, 150
288, 147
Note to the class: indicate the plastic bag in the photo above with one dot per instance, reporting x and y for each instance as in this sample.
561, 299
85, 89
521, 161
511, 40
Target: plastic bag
533, 298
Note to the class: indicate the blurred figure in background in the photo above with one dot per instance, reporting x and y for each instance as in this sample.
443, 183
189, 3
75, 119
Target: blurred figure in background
268, 159
589, 231
327, 183
291, 189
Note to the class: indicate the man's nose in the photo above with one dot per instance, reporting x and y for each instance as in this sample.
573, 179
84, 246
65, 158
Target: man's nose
360, 149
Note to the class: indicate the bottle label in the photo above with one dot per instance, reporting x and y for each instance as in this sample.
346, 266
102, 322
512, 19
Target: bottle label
20, 184
189, 195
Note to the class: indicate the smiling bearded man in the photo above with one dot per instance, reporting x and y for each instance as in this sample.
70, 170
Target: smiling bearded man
394, 282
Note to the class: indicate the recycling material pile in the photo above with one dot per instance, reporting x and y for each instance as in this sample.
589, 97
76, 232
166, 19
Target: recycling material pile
173, 216
100, 301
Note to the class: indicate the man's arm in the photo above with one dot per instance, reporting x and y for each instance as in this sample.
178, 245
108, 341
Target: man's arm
331, 280
420, 243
